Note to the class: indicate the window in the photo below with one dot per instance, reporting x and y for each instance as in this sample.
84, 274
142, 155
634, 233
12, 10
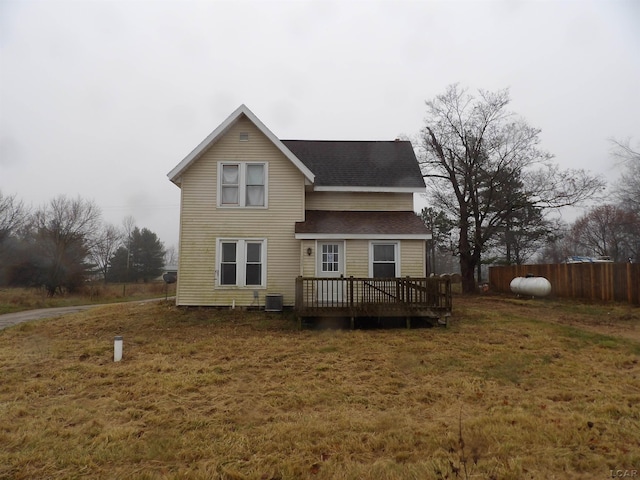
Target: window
255, 185
253, 266
242, 184
230, 184
384, 260
228, 264
241, 263
330, 257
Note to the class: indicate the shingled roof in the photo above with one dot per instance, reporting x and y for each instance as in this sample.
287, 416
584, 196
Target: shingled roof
382, 166
376, 165
378, 224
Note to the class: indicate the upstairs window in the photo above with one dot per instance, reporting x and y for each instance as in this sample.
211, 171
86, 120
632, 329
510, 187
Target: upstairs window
255, 185
230, 184
242, 184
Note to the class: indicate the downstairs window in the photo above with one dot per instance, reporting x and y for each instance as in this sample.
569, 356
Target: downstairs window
241, 263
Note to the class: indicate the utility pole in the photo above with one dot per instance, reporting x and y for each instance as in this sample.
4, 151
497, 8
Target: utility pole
128, 224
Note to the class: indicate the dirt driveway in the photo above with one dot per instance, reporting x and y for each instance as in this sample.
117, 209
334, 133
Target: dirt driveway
10, 319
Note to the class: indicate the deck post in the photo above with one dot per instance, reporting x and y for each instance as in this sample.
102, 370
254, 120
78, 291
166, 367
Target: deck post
408, 320
407, 287
299, 296
351, 291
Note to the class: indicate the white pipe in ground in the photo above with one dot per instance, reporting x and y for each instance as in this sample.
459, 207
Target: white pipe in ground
117, 349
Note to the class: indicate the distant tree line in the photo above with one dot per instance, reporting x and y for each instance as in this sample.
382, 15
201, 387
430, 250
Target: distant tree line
494, 192
64, 243
611, 229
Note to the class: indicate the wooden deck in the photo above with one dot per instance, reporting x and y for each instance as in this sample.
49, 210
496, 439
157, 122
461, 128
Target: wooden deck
353, 298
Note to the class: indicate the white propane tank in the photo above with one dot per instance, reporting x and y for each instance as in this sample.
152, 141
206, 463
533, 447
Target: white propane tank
531, 286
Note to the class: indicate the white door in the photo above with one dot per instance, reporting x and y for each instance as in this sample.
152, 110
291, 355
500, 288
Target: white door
330, 266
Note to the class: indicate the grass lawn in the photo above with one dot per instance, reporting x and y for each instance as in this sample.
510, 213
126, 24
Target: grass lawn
513, 389
20, 299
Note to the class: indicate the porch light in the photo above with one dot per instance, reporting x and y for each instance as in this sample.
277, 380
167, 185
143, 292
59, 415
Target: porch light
309, 251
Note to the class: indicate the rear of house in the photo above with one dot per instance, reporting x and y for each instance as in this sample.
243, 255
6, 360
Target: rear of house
258, 212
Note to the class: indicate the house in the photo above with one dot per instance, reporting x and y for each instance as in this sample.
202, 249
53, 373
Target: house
257, 213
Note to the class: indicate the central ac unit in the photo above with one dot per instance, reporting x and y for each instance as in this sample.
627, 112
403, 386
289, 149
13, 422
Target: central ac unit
273, 302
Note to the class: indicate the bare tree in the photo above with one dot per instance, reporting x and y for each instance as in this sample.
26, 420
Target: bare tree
128, 224
627, 189
485, 165
607, 230
439, 247
104, 245
63, 230
13, 214
557, 250
171, 256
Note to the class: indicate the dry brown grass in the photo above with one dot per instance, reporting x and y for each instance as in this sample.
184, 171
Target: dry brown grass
20, 299
538, 390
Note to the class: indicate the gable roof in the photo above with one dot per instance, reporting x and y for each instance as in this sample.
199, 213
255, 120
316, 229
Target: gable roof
360, 165
176, 174
366, 166
358, 224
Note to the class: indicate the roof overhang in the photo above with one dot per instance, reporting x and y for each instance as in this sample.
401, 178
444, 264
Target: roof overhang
370, 189
175, 175
361, 236
368, 225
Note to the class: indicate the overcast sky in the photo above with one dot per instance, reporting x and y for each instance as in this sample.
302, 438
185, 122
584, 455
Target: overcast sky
101, 99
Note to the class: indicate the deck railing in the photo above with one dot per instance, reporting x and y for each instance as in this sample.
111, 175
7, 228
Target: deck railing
374, 296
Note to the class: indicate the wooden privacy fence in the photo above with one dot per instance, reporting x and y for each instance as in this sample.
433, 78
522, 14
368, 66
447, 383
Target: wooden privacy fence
618, 282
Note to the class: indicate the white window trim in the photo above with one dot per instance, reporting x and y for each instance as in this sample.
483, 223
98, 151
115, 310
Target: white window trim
396, 253
241, 262
242, 185
342, 259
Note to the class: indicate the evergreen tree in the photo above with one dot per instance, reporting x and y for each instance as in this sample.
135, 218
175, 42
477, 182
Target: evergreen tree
147, 254
141, 260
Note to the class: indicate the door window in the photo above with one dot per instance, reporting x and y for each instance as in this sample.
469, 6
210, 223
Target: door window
330, 257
